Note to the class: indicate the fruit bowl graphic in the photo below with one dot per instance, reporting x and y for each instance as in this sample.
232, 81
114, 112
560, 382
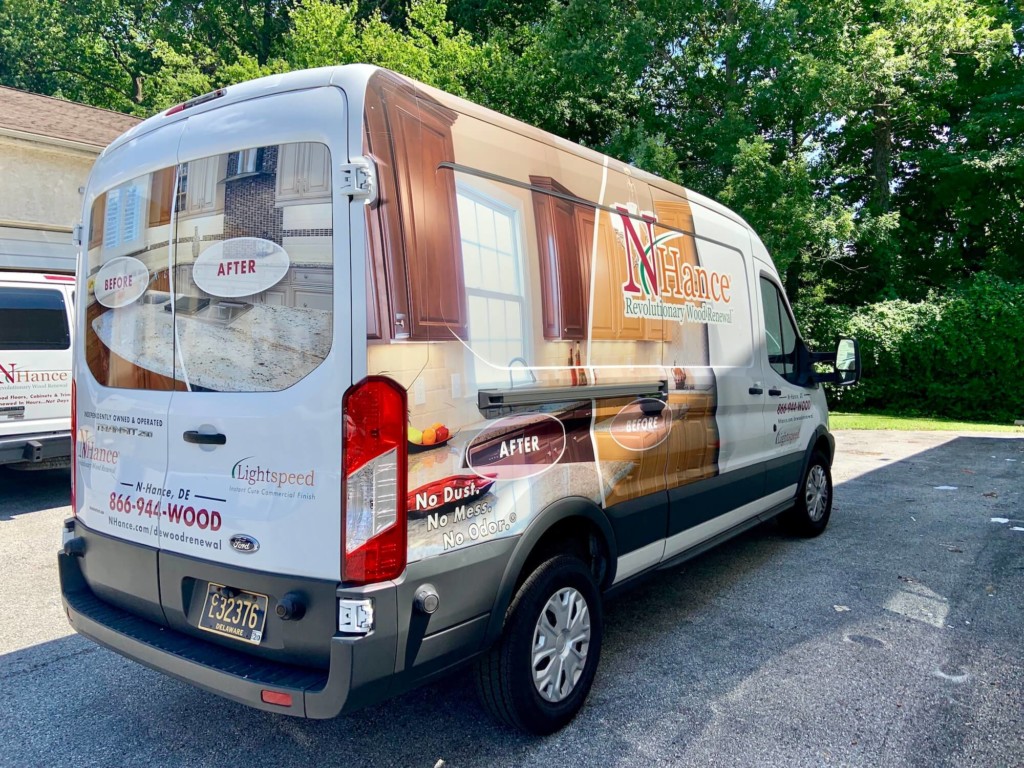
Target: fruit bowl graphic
419, 448
427, 439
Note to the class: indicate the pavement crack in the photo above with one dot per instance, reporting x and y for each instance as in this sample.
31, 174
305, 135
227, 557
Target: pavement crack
30, 668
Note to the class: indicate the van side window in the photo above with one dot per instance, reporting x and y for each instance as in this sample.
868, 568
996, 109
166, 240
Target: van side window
779, 332
33, 318
492, 265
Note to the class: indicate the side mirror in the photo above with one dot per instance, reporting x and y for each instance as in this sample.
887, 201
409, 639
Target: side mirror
845, 361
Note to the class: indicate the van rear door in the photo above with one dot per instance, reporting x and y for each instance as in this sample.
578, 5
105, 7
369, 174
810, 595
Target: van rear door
262, 359
124, 358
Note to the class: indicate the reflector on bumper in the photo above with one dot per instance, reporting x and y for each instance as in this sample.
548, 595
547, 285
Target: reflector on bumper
355, 617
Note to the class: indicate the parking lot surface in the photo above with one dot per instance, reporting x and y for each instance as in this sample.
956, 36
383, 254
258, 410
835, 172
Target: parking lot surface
895, 639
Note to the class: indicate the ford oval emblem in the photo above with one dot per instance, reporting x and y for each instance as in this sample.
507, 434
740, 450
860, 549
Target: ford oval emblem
244, 544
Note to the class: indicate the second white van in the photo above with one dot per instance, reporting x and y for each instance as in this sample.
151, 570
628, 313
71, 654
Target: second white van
36, 332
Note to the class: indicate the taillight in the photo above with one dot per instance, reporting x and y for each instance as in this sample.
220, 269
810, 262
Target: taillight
375, 459
74, 446
195, 102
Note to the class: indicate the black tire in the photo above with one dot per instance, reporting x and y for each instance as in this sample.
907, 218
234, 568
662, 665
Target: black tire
810, 515
505, 674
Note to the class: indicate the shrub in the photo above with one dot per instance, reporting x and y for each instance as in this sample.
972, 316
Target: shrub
959, 355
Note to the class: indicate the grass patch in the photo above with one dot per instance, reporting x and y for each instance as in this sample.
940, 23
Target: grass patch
884, 421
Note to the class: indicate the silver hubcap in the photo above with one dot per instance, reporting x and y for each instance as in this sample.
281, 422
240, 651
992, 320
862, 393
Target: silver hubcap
816, 493
560, 644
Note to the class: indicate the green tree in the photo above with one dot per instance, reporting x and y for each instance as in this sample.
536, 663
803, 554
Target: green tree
108, 53
906, 64
429, 49
777, 197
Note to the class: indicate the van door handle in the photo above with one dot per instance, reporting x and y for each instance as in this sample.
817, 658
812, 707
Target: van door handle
200, 438
775, 392
756, 391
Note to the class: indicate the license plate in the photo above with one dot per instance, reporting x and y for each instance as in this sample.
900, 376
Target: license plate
234, 613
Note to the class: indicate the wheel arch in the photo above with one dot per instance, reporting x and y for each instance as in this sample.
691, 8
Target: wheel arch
821, 440
567, 525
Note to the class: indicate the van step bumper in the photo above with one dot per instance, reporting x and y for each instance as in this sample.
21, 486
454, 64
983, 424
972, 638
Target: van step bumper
235, 675
34, 449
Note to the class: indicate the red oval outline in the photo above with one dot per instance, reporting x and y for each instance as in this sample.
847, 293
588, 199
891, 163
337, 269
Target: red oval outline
491, 469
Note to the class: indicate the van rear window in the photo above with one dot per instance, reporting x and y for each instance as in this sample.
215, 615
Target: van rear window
214, 275
33, 318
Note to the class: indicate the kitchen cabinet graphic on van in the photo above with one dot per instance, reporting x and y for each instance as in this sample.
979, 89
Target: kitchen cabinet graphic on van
373, 381
525, 275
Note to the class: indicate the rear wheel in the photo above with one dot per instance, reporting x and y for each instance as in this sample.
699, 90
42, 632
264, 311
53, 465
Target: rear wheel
538, 675
813, 508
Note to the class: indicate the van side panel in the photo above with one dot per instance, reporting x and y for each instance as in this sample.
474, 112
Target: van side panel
560, 279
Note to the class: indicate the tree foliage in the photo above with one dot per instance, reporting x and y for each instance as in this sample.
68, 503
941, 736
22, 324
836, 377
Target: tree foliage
876, 145
955, 354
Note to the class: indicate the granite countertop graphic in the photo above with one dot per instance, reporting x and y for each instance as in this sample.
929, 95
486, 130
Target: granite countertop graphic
524, 497
267, 348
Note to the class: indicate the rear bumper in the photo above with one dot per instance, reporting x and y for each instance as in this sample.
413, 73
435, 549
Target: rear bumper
33, 449
359, 673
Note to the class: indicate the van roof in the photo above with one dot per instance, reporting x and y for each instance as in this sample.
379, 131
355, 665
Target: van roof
353, 78
34, 277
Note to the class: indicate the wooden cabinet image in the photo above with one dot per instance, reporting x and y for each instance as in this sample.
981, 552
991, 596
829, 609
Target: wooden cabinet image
203, 192
646, 468
691, 444
690, 340
610, 321
565, 241
564, 248
161, 197
414, 227
610, 274
303, 174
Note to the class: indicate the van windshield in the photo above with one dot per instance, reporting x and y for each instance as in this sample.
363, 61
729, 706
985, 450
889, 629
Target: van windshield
237, 249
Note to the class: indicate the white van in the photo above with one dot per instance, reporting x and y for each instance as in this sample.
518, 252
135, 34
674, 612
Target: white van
36, 333
374, 382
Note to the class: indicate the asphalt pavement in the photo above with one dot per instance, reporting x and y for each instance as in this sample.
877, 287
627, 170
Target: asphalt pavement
895, 639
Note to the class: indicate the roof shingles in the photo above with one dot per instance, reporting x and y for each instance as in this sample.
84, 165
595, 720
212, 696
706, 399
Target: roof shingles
60, 119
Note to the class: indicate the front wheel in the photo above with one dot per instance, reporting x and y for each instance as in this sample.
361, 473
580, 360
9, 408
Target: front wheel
537, 677
813, 508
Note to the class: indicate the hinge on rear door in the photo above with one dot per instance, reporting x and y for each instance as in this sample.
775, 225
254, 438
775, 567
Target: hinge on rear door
76, 235
359, 179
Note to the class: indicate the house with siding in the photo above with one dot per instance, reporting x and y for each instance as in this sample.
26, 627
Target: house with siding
47, 147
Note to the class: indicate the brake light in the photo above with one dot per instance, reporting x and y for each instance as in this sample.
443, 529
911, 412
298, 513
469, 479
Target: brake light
195, 102
375, 460
74, 446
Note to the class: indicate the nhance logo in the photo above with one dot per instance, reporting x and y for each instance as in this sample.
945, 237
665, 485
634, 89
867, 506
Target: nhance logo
256, 473
89, 451
10, 375
661, 283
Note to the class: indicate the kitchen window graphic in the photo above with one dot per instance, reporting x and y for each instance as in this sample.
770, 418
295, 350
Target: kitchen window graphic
492, 266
